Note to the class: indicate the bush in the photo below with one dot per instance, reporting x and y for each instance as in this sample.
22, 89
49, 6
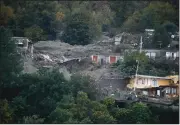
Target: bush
35, 33
140, 114
5, 112
32, 120
123, 116
170, 27
109, 102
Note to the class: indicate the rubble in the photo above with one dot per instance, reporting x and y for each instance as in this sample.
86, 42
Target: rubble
64, 52
75, 58
46, 57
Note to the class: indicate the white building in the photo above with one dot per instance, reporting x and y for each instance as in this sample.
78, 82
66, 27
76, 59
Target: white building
22, 41
149, 32
172, 55
24, 44
117, 39
155, 53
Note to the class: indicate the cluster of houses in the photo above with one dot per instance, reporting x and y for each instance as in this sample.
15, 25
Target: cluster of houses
148, 85
159, 53
171, 52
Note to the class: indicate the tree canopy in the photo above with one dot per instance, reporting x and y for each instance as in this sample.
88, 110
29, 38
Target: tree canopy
80, 22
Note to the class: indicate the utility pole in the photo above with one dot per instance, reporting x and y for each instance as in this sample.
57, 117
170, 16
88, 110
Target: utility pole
140, 50
141, 45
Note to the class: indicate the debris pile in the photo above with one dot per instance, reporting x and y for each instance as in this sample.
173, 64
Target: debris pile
75, 58
59, 52
130, 39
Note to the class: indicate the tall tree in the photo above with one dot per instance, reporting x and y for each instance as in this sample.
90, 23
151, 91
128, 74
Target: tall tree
124, 9
10, 61
78, 30
162, 37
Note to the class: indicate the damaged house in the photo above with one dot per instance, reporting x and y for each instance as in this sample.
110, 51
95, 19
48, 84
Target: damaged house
24, 44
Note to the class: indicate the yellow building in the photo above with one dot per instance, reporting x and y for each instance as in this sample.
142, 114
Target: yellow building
155, 86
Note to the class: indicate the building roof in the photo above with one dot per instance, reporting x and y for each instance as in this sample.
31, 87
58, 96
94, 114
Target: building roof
155, 77
175, 78
19, 39
152, 50
107, 55
149, 30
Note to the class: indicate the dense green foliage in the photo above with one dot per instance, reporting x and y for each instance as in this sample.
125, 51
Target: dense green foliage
35, 33
10, 64
137, 113
6, 113
80, 22
78, 30
80, 110
151, 16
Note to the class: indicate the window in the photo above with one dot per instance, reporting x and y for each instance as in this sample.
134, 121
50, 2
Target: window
158, 92
173, 90
168, 54
143, 81
174, 56
168, 90
155, 83
139, 81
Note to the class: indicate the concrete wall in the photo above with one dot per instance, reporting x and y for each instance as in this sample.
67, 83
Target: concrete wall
148, 82
164, 82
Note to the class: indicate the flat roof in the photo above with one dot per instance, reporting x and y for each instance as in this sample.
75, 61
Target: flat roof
21, 38
18, 37
152, 50
149, 29
156, 77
